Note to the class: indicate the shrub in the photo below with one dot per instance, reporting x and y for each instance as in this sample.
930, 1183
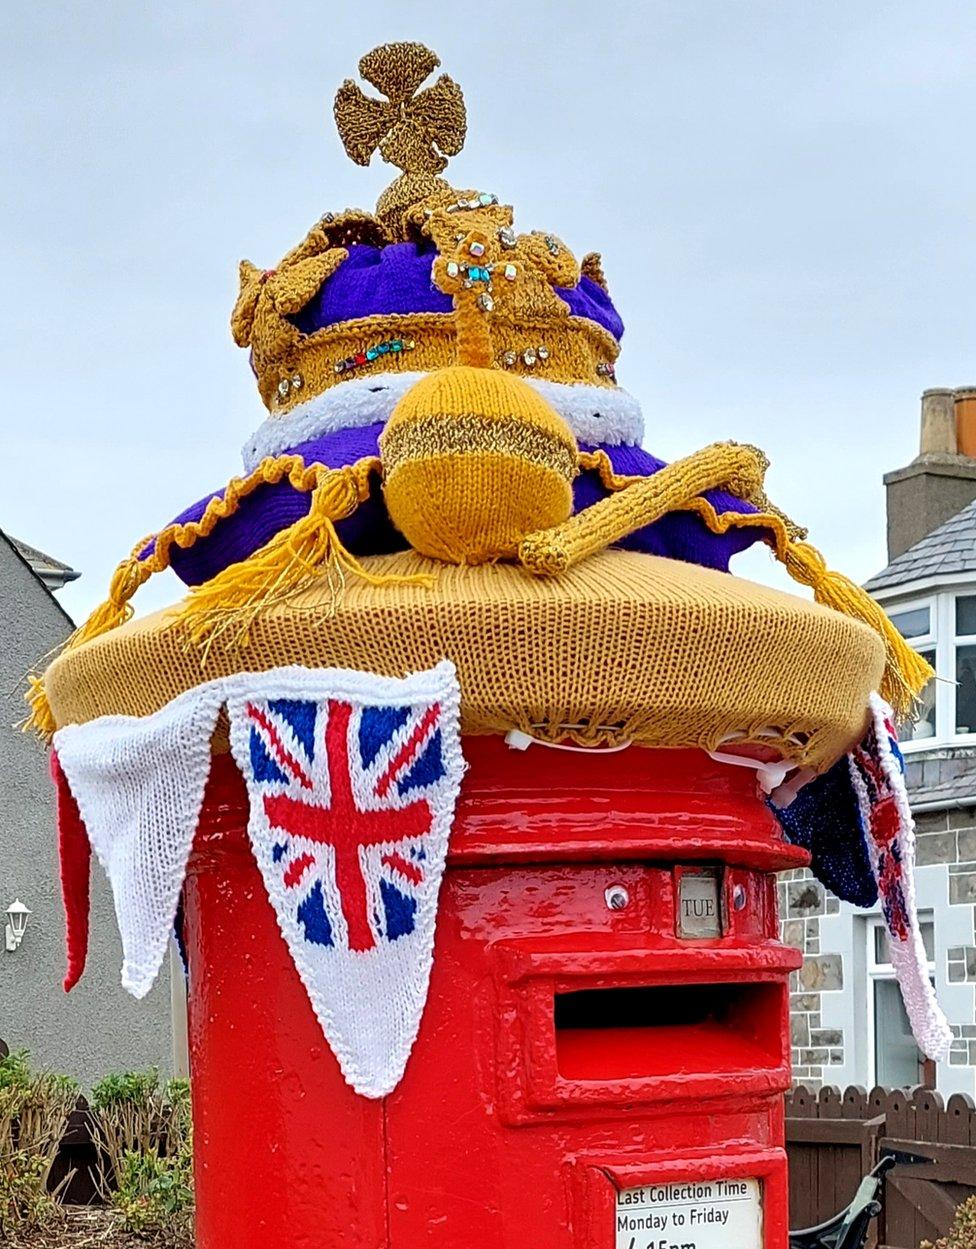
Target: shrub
962, 1234
34, 1110
134, 1114
154, 1196
144, 1130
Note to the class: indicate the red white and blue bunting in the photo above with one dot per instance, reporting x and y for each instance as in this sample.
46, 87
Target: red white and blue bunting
877, 776
352, 781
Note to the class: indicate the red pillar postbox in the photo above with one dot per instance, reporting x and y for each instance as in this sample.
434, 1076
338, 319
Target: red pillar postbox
604, 1050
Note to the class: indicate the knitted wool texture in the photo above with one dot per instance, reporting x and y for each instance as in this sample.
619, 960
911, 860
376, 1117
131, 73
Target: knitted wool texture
299, 738
139, 787
412, 129
516, 282
437, 277
291, 365
624, 647
368, 989
223, 610
368, 530
472, 461
877, 776
825, 819
74, 862
640, 501
594, 414
395, 281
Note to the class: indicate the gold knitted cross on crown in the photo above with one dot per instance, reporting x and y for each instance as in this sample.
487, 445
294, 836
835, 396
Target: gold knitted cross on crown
415, 129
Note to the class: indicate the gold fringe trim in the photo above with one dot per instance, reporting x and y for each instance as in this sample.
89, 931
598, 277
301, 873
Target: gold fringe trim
906, 672
227, 606
290, 560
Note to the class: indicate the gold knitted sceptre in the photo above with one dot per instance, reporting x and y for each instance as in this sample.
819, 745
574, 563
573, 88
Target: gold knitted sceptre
640, 501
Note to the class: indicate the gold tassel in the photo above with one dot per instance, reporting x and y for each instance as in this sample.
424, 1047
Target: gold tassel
227, 605
116, 610
906, 672
41, 718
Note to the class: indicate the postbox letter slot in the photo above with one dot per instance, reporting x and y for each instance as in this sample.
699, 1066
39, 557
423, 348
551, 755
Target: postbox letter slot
657, 1030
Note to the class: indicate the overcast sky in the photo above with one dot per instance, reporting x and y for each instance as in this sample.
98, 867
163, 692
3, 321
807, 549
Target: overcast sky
784, 194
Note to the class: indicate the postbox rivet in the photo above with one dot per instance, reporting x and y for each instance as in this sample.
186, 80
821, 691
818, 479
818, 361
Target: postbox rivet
738, 897
617, 897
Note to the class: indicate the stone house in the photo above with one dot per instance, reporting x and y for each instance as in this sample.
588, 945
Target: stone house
97, 1028
849, 1026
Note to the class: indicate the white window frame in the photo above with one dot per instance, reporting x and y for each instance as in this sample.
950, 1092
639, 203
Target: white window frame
883, 971
955, 641
942, 638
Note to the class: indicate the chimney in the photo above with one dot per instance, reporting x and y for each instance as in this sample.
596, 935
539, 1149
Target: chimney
965, 421
938, 435
941, 480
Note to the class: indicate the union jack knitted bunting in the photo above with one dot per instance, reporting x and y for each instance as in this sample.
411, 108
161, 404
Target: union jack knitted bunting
877, 776
352, 781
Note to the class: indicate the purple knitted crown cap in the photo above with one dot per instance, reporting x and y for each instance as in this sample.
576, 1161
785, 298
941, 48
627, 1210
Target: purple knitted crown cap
396, 279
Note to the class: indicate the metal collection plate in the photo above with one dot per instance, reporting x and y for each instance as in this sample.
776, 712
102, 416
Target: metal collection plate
699, 1214
700, 903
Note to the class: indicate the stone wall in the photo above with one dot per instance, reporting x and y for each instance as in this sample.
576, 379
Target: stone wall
802, 902
945, 837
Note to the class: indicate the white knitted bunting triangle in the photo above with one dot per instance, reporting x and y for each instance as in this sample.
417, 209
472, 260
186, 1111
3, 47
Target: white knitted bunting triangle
139, 784
352, 780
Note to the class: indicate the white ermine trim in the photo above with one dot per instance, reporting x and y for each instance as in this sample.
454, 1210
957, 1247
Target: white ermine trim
139, 784
593, 413
349, 405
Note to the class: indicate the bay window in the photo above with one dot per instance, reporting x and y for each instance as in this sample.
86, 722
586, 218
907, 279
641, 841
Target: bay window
942, 627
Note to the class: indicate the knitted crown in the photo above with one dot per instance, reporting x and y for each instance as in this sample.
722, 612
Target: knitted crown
432, 321
389, 295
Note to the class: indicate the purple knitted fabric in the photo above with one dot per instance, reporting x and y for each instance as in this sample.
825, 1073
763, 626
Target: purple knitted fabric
271, 508
396, 279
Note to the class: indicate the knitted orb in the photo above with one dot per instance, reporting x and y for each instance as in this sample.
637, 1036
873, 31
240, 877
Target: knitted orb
473, 460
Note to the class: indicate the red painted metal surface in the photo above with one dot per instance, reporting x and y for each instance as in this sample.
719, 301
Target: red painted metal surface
567, 1050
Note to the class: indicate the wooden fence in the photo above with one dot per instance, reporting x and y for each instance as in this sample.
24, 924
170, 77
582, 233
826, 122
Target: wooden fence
834, 1138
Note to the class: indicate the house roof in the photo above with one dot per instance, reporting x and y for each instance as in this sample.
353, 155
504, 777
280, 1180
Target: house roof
949, 550
51, 571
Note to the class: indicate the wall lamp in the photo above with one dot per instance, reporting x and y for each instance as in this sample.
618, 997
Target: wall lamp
17, 916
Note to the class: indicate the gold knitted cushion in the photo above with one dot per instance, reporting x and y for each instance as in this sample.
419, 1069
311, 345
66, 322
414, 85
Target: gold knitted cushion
622, 647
